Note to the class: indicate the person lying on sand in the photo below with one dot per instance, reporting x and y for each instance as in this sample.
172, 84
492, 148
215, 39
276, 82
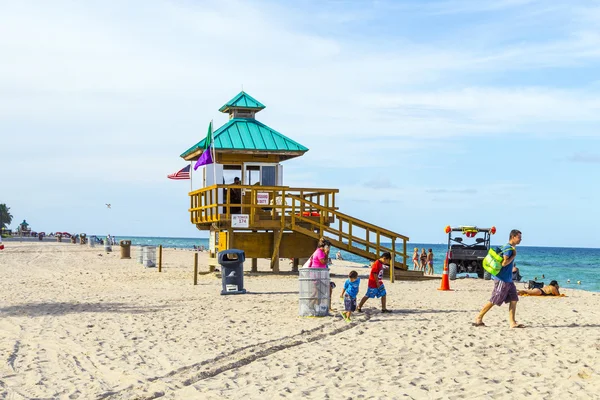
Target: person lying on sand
548, 290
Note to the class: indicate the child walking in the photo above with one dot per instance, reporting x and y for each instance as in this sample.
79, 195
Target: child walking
349, 294
376, 288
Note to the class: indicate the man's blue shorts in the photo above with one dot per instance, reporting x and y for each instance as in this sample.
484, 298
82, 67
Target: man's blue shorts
374, 293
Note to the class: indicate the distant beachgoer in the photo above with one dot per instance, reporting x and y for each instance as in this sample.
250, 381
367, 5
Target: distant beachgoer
349, 294
549, 290
516, 274
505, 290
430, 262
375, 286
415, 259
423, 260
1, 245
338, 255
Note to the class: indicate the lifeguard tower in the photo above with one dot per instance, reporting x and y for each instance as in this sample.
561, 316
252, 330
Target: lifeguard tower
260, 214
24, 229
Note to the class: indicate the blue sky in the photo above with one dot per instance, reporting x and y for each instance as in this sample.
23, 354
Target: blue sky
422, 113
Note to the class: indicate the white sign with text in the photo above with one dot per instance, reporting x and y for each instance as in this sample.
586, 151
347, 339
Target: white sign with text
240, 220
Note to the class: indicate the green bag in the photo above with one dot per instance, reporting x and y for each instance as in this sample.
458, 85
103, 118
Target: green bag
492, 263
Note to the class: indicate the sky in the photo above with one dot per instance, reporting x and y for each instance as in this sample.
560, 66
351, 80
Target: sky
422, 113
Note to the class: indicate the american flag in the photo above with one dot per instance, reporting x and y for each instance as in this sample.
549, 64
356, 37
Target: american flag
183, 173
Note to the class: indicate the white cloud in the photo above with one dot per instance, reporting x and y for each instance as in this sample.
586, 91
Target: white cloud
586, 158
113, 92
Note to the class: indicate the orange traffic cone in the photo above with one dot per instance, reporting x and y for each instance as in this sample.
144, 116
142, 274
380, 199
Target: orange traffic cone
445, 279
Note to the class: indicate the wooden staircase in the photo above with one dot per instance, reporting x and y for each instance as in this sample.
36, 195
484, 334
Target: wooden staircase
311, 213
352, 235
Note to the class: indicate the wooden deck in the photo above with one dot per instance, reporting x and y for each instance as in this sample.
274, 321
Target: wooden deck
307, 211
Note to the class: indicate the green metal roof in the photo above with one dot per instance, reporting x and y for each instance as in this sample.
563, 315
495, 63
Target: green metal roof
242, 100
249, 134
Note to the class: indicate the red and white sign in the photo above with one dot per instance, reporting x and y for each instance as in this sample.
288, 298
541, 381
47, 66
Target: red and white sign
262, 199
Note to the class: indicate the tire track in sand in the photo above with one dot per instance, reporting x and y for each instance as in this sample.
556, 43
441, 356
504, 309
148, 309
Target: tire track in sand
189, 375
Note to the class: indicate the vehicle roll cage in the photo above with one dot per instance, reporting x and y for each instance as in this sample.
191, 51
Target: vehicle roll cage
478, 241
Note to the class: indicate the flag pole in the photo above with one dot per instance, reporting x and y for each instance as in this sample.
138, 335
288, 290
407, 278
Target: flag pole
191, 174
212, 140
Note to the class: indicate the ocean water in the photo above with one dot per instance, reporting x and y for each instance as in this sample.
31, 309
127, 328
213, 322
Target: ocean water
555, 263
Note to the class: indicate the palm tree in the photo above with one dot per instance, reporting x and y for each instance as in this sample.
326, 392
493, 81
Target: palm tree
5, 217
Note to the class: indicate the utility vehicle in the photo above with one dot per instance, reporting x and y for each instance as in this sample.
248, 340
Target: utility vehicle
467, 247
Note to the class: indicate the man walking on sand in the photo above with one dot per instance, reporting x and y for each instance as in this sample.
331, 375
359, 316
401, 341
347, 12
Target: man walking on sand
505, 290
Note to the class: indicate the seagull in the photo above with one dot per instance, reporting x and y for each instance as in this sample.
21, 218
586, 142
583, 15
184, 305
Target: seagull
107, 205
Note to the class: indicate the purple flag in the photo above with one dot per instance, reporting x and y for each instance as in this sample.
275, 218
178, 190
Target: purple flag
205, 158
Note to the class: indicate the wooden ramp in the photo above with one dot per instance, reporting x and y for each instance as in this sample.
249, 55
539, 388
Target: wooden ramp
403, 275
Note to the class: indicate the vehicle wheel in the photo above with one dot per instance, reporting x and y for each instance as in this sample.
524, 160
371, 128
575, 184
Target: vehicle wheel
452, 270
487, 276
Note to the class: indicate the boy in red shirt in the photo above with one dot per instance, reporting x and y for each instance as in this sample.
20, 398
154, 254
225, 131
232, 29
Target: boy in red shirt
376, 288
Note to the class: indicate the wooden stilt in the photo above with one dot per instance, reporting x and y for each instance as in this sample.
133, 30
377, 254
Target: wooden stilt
255, 265
277, 234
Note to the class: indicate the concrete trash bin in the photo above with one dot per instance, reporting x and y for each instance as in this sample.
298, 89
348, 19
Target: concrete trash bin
314, 292
107, 246
140, 254
149, 256
232, 271
125, 248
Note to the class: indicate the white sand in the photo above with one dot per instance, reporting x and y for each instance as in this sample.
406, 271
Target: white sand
74, 324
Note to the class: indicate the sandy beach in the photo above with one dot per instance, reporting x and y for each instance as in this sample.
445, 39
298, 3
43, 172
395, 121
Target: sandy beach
78, 323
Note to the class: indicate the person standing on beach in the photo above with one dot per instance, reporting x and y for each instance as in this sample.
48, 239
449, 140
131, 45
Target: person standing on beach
505, 290
320, 259
375, 287
423, 261
430, 262
415, 259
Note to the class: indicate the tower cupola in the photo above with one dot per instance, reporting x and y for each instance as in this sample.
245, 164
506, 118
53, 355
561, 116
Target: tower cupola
242, 106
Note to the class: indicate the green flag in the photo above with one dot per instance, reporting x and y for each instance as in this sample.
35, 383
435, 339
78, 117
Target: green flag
208, 139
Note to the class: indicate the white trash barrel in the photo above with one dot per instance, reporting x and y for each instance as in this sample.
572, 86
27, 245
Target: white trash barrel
107, 245
314, 292
139, 255
149, 256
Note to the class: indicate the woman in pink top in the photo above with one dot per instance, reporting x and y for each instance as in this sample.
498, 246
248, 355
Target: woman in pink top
321, 254
320, 259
